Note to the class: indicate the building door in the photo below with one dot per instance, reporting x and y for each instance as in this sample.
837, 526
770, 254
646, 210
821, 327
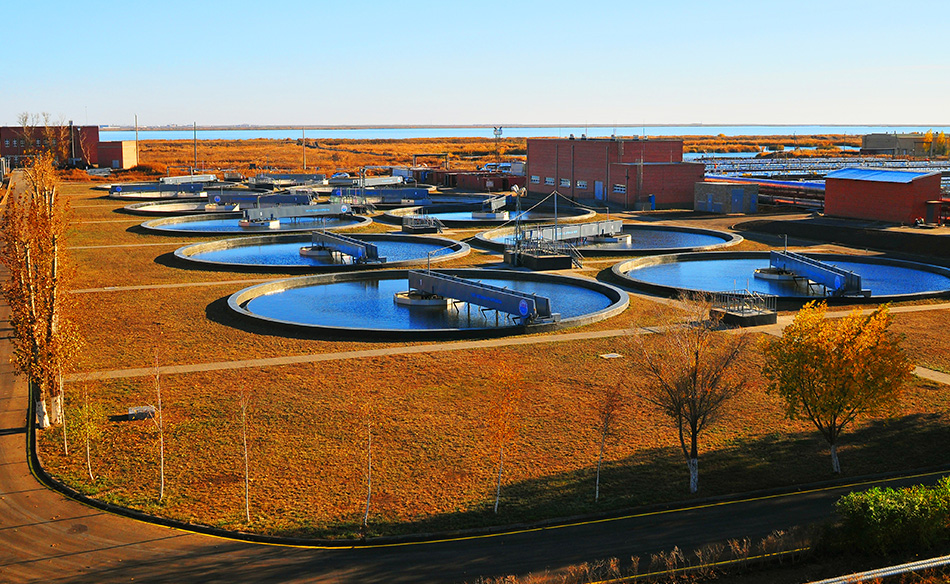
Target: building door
737, 206
599, 190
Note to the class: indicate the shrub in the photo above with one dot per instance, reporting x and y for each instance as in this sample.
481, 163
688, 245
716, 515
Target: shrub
888, 520
149, 168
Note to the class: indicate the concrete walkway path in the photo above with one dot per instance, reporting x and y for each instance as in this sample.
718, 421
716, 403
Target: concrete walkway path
775, 330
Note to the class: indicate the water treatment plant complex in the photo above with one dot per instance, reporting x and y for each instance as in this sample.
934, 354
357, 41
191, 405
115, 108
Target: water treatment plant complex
328, 314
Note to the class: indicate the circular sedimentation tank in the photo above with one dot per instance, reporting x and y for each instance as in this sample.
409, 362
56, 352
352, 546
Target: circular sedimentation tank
364, 305
635, 240
282, 253
155, 195
467, 216
887, 279
177, 208
221, 223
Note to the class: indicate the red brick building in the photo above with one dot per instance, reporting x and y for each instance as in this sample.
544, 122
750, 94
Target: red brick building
118, 154
623, 171
481, 181
65, 142
898, 196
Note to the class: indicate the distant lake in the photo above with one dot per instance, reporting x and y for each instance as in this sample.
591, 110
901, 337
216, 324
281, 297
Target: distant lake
508, 132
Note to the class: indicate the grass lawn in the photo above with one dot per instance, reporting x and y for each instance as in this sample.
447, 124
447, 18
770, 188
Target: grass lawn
925, 337
429, 414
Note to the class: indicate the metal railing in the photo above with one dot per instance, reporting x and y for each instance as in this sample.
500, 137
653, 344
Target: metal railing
423, 221
744, 302
548, 247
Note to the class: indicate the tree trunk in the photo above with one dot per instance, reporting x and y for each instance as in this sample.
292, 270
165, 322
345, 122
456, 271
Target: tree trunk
693, 461
501, 465
62, 395
693, 464
369, 473
835, 465
89, 459
161, 462
600, 460
247, 470
56, 409
42, 420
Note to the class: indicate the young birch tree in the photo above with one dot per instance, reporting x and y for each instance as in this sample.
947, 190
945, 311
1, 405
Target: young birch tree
607, 403
365, 416
503, 418
90, 427
689, 375
366, 413
244, 402
34, 223
160, 426
832, 371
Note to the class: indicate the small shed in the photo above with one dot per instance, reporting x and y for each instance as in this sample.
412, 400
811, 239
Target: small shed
118, 154
878, 194
725, 197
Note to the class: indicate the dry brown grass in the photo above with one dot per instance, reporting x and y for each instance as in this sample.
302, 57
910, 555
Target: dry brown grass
434, 470
925, 337
336, 155
326, 156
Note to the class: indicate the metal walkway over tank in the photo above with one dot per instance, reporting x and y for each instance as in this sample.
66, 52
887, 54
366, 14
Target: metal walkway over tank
361, 251
292, 211
837, 281
494, 204
527, 307
573, 231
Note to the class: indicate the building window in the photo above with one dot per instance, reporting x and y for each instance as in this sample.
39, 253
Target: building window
620, 189
549, 180
535, 179
6, 143
38, 142
582, 185
565, 183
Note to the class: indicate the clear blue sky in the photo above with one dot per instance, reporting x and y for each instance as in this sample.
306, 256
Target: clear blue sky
490, 62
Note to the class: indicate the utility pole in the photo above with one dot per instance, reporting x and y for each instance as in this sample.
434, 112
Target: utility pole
136, 138
303, 136
497, 133
195, 167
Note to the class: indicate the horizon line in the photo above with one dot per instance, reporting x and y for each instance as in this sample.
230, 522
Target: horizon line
233, 127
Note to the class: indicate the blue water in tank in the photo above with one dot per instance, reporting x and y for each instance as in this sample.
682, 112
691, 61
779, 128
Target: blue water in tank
230, 225
288, 254
649, 238
369, 304
716, 275
467, 216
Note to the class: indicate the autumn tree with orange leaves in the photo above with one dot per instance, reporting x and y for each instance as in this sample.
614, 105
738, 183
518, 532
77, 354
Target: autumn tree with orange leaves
833, 371
34, 223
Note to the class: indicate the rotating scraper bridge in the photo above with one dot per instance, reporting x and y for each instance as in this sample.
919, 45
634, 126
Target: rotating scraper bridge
529, 308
